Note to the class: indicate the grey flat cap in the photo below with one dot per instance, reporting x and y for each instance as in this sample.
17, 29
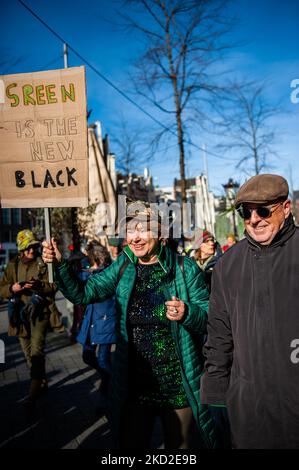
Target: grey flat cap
263, 189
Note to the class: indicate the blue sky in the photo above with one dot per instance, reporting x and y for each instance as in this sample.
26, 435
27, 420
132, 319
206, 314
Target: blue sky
267, 29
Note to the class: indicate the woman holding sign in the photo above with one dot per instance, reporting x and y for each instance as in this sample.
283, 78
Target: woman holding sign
161, 307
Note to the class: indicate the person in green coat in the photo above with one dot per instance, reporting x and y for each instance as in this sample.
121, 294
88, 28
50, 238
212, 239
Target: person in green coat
161, 304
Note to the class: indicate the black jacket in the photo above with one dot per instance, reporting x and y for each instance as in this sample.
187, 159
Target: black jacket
208, 271
252, 352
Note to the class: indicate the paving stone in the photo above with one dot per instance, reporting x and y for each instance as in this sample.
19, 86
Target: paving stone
65, 416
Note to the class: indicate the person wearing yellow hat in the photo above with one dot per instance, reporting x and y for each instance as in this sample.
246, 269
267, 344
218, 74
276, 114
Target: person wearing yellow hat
26, 240
230, 241
31, 304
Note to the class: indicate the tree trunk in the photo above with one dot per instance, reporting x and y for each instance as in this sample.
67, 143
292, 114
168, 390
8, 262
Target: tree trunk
178, 108
182, 172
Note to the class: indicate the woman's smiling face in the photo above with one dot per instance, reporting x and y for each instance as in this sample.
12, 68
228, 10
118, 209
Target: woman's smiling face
143, 240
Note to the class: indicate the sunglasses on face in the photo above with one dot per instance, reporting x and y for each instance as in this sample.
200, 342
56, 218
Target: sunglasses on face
262, 211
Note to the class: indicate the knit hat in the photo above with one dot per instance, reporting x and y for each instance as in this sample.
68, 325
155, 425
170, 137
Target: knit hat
26, 238
141, 212
201, 236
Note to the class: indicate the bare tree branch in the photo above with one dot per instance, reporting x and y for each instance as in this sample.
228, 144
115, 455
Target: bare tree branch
183, 40
245, 118
129, 148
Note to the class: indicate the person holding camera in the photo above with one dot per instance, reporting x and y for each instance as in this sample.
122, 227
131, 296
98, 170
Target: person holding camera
31, 307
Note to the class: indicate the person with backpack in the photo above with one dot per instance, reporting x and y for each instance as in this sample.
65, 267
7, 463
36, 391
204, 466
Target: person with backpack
31, 308
161, 320
97, 333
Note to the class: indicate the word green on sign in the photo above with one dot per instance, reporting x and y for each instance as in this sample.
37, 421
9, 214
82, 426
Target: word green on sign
40, 94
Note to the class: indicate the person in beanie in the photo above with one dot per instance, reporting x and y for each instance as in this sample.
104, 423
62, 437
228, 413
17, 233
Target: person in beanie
161, 315
206, 253
31, 307
252, 354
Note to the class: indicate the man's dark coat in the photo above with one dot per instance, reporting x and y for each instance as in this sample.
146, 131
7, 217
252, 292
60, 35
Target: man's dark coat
252, 352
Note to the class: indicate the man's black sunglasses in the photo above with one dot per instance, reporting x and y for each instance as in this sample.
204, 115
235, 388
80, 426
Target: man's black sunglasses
262, 211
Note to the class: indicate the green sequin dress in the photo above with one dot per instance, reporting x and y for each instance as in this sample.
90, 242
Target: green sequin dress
154, 368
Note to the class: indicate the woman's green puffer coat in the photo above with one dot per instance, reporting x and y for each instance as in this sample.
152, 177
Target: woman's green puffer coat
188, 285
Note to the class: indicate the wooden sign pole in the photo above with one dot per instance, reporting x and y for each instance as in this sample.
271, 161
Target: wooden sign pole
48, 238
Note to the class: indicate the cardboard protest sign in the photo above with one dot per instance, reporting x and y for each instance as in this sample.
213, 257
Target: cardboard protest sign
43, 139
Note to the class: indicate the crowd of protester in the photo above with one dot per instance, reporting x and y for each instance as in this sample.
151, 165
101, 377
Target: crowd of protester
201, 337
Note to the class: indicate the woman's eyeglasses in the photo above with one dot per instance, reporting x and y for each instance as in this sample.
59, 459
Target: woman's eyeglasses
262, 211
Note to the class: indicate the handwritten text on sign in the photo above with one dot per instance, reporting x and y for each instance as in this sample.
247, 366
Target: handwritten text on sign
43, 152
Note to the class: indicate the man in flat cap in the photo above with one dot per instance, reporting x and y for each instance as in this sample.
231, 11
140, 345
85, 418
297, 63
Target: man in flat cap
252, 352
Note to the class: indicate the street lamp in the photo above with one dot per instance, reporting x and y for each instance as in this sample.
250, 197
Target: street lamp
231, 188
